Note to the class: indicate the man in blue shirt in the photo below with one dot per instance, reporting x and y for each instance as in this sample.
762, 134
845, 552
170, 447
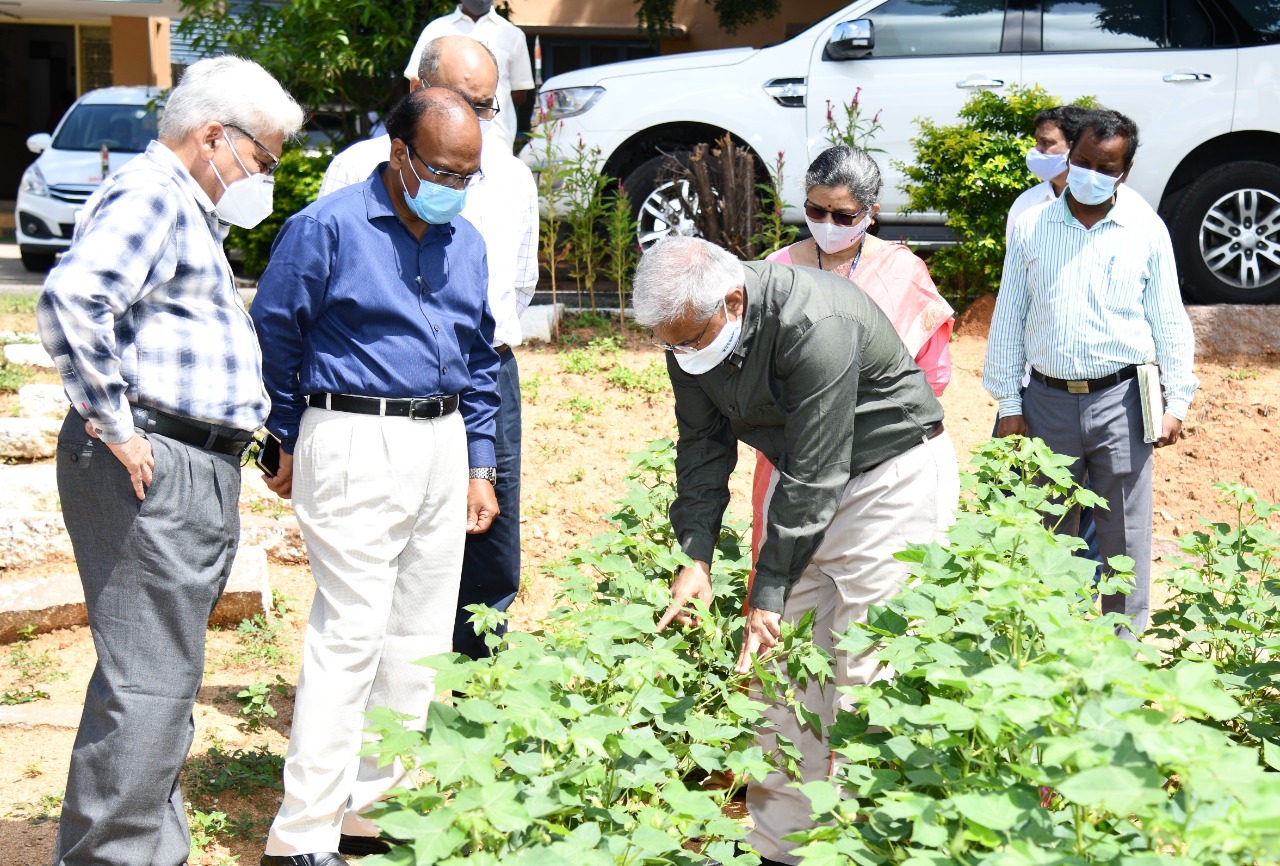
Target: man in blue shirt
377, 346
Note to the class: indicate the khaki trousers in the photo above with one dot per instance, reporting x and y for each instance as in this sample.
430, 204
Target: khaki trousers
382, 503
911, 498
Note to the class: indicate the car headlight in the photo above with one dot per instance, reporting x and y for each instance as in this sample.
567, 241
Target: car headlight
569, 101
33, 182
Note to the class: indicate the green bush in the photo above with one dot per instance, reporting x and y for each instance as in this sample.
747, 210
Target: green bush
594, 741
1020, 729
1224, 608
297, 185
972, 171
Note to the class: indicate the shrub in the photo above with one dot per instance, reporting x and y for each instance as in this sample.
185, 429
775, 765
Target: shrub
593, 740
1224, 609
297, 185
1020, 729
972, 171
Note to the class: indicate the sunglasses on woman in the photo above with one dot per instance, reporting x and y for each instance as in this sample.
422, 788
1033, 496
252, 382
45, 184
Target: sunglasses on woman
840, 218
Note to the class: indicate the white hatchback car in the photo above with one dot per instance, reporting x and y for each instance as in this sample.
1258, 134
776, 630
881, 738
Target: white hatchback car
1198, 76
71, 164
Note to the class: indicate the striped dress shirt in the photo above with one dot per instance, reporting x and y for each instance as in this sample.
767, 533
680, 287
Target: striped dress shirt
1083, 303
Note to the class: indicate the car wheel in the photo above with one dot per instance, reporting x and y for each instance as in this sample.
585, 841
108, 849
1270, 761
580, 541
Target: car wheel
1226, 232
660, 203
37, 262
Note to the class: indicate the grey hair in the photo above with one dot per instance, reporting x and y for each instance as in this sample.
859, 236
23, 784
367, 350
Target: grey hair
432, 57
849, 168
229, 90
680, 273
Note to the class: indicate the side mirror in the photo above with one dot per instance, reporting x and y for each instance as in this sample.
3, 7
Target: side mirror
39, 142
851, 40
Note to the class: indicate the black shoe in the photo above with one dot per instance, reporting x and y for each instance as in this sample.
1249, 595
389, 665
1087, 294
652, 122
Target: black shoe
361, 845
302, 860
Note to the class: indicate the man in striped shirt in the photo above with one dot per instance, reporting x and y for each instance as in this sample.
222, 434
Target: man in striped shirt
1090, 292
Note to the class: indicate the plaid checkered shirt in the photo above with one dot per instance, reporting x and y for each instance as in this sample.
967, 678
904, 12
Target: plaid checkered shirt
143, 308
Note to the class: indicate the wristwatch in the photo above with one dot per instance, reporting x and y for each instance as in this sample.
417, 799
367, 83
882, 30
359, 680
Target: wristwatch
486, 473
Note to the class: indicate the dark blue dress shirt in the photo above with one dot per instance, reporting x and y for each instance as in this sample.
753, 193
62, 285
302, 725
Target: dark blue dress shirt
353, 303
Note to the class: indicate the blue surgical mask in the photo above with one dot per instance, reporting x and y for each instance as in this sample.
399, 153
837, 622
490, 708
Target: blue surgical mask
1090, 187
434, 204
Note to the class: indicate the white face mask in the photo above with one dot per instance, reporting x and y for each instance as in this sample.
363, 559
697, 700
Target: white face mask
247, 201
1046, 166
1090, 187
714, 353
832, 238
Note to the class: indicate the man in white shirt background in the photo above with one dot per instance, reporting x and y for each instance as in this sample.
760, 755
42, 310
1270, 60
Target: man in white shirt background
477, 19
503, 206
1056, 130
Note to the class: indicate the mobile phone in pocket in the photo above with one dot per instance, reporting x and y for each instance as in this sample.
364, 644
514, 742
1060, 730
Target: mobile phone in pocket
268, 456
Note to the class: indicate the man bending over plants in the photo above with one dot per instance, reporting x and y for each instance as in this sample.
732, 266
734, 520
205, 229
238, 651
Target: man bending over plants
799, 366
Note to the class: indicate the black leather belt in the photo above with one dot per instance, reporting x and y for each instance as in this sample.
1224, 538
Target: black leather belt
223, 440
502, 348
416, 409
1086, 386
934, 432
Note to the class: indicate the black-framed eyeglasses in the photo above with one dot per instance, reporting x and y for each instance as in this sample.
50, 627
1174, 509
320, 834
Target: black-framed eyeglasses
687, 347
483, 110
449, 179
840, 218
275, 160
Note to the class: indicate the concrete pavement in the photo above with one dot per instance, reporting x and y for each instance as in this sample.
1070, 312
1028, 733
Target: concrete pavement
14, 278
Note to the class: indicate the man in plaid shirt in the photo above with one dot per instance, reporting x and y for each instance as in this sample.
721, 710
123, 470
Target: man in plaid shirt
160, 362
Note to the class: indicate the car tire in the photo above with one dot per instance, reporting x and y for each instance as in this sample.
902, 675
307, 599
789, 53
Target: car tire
656, 207
1226, 234
39, 263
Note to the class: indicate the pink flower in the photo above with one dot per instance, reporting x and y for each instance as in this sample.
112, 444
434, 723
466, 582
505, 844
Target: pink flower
857, 93
830, 118
876, 119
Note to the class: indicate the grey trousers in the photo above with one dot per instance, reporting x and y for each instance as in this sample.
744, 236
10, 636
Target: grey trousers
1103, 431
152, 572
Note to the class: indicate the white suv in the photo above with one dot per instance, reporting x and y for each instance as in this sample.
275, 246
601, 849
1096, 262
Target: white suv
1198, 76
70, 165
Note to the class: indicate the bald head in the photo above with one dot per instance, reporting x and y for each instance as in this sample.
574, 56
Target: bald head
437, 108
462, 64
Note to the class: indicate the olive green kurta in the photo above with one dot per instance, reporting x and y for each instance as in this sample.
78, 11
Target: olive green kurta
819, 382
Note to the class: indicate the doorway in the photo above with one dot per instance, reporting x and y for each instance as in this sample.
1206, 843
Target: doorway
37, 86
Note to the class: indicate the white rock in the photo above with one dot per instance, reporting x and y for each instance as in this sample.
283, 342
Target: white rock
42, 401
32, 538
27, 487
30, 354
28, 438
57, 601
536, 323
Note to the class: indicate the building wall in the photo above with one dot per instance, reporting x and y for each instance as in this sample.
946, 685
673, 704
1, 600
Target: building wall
140, 51
695, 21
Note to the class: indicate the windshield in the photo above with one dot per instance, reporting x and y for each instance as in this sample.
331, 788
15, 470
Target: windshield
125, 128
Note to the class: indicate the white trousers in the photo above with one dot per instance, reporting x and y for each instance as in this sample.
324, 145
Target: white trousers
382, 503
911, 498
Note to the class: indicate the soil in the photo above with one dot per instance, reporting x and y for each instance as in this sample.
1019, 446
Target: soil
578, 429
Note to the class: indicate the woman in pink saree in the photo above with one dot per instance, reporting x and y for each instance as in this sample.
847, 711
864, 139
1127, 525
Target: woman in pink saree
842, 192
